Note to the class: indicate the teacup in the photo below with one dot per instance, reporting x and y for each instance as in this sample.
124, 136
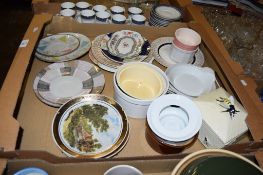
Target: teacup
186, 39
138, 19
87, 16
67, 5
134, 11
118, 19
68, 13
99, 8
179, 55
102, 17
123, 170
82, 6
117, 10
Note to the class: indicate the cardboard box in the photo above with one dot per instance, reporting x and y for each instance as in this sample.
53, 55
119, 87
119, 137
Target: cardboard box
22, 111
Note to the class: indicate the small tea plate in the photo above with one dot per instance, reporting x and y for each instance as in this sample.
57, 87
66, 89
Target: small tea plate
58, 45
59, 82
161, 51
83, 48
167, 12
90, 126
125, 43
145, 49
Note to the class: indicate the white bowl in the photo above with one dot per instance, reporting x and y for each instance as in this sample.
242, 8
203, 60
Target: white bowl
191, 80
174, 117
135, 107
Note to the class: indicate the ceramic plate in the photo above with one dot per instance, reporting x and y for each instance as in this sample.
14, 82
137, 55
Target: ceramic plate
167, 12
90, 126
83, 48
161, 48
145, 49
57, 45
125, 44
104, 62
59, 82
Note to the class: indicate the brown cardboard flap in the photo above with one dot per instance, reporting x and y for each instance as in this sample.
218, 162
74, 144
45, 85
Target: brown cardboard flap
194, 13
3, 163
259, 157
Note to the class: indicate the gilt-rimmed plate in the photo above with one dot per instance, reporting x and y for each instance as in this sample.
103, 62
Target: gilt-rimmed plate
83, 48
125, 44
145, 49
57, 45
161, 51
90, 126
59, 82
104, 62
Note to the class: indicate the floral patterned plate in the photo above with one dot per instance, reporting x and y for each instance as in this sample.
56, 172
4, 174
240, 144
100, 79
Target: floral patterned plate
83, 48
57, 45
125, 44
90, 126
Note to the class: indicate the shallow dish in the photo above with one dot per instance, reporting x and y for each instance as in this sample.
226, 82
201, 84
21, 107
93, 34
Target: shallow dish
103, 61
69, 79
161, 49
31, 171
145, 49
191, 80
98, 129
140, 81
57, 45
174, 118
167, 12
125, 43
83, 48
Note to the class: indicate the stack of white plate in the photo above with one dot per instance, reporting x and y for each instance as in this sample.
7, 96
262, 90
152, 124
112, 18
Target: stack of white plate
163, 15
109, 51
62, 47
91, 126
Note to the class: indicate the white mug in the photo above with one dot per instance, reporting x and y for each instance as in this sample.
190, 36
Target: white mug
180, 56
123, 170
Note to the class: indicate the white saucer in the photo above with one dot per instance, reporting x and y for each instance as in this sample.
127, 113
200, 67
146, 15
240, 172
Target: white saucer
161, 49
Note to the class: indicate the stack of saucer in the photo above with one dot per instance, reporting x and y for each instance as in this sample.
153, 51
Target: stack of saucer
163, 15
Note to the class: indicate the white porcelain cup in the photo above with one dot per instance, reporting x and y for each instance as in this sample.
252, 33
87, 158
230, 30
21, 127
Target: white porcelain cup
118, 19
102, 17
179, 55
186, 39
82, 5
138, 19
87, 16
123, 170
117, 10
68, 12
67, 5
134, 11
99, 8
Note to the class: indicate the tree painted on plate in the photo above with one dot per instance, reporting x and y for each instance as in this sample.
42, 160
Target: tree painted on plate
77, 128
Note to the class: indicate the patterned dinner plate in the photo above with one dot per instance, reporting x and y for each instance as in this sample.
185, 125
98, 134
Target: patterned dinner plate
90, 126
161, 48
59, 82
145, 49
125, 43
83, 48
98, 58
58, 45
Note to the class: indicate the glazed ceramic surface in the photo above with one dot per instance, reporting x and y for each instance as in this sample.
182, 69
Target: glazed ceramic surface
161, 51
59, 82
89, 126
125, 43
83, 48
58, 45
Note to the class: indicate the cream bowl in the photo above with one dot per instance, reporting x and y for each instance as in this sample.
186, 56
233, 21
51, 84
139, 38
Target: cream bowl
126, 78
141, 81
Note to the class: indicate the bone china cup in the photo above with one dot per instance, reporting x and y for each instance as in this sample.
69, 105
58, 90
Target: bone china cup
186, 39
123, 170
68, 12
136, 85
67, 5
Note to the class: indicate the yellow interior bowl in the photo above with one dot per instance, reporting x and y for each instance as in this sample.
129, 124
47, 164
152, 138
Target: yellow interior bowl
140, 81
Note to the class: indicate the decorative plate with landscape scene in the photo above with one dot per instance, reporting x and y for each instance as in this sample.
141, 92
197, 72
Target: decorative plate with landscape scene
90, 126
